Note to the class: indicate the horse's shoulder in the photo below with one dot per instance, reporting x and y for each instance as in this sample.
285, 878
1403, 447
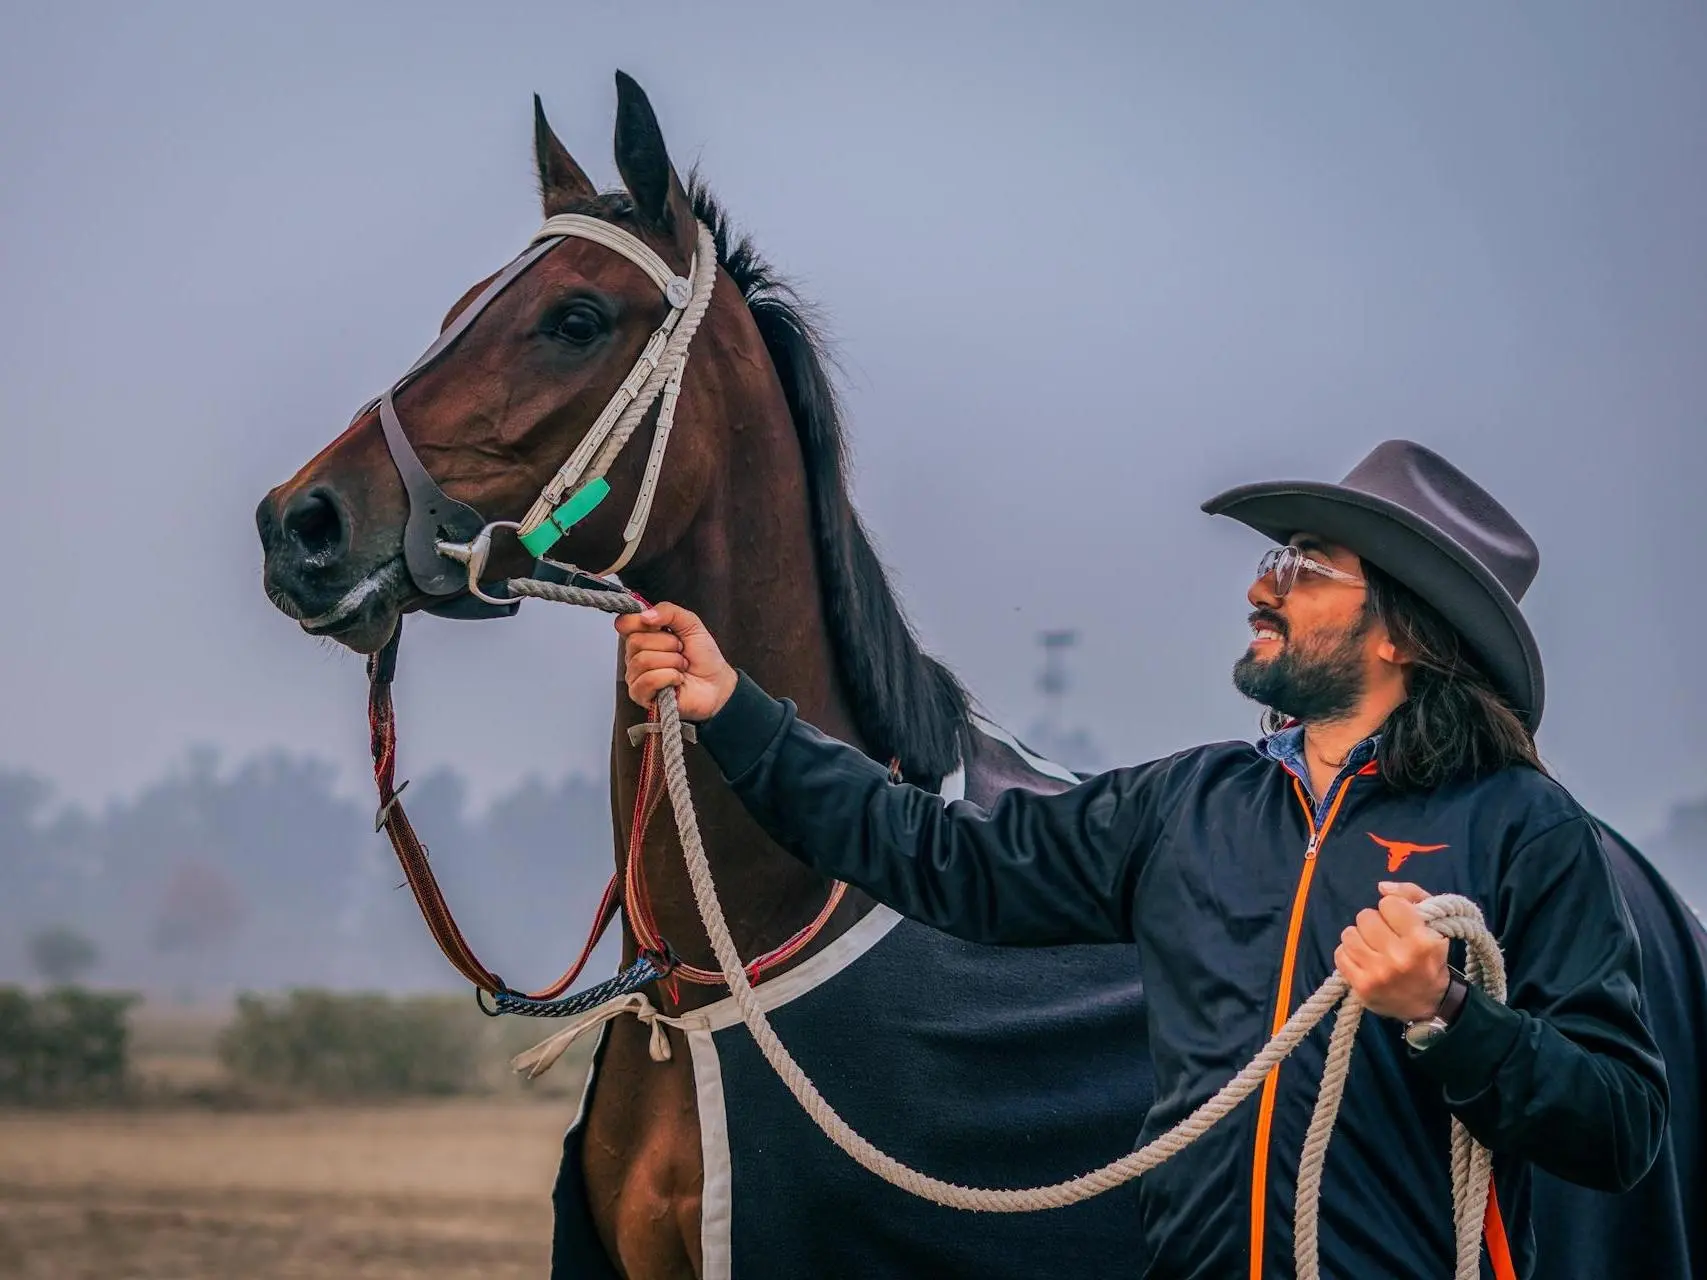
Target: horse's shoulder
997, 761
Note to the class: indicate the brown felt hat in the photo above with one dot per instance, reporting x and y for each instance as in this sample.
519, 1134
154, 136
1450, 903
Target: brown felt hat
1415, 516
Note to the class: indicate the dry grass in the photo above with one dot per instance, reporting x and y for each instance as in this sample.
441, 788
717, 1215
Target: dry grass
438, 1191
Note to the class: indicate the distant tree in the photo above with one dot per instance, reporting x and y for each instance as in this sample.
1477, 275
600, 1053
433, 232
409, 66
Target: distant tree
61, 955
1680, 850
201, 909
1687, 830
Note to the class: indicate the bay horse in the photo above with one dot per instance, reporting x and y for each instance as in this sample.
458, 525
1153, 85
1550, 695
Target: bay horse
993, 1066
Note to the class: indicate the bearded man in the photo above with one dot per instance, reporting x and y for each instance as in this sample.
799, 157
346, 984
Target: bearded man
1403, 689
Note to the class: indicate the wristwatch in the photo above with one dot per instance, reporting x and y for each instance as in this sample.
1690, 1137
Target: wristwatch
1422, 1032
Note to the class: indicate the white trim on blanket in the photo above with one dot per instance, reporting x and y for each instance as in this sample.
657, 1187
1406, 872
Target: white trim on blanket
807, 976
717, 1195
1046, 767
717, 1203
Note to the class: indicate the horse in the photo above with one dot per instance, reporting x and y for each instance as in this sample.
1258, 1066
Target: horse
990, 1065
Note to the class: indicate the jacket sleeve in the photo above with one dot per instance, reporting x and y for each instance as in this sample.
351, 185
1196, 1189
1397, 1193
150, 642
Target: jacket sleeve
1032, 870
1566, 1074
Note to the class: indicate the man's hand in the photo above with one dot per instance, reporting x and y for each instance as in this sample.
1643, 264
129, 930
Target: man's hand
668, 647
1393, 960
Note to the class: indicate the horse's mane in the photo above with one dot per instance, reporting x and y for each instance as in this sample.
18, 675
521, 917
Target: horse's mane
905, 704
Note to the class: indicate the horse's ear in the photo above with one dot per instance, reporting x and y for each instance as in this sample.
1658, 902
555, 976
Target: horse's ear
562, 185
659, 197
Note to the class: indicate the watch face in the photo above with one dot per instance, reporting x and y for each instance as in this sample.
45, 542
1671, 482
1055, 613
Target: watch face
1419, 1035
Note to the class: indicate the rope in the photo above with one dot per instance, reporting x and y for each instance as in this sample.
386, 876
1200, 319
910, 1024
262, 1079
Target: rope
1449, 915
539, 1059
647, 968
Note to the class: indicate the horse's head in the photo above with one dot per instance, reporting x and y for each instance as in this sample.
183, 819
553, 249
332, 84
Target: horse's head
494, 413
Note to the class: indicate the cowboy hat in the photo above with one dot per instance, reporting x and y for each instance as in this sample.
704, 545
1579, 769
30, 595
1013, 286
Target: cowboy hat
1419, 519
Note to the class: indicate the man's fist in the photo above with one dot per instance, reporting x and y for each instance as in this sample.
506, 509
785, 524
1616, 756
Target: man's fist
668, 647
1393, 960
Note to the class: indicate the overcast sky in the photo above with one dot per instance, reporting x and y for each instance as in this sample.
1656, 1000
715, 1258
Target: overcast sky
1085, 264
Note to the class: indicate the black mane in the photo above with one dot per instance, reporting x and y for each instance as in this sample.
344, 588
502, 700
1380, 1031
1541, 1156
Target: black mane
905, 704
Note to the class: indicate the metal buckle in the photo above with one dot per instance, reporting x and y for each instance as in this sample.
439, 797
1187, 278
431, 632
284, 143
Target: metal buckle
473, 555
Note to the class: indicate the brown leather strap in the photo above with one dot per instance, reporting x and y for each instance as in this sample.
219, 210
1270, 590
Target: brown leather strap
1457, 992
412, 854
433, 513
418, 871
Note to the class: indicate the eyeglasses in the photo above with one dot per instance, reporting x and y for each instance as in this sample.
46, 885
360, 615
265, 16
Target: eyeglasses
1286, 562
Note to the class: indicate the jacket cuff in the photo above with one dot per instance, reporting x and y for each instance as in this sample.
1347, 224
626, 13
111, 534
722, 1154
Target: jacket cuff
739, 735
1464, 1058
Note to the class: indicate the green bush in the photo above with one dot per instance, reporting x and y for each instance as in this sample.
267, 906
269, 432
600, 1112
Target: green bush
330, 1045
66, 1045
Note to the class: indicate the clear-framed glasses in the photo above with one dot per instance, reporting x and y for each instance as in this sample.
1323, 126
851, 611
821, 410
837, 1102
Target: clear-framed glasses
1285, 563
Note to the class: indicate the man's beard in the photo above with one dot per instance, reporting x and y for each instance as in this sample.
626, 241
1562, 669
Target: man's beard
1310, 687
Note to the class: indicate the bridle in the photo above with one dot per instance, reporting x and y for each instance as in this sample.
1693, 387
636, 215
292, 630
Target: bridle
446, 544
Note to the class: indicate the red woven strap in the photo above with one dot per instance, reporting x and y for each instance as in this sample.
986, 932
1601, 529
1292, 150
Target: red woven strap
649, 793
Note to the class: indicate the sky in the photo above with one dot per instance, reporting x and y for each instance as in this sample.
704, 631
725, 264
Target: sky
1085, 266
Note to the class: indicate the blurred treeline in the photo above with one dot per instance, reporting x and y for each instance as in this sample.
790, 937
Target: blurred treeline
68, 1046
267, 875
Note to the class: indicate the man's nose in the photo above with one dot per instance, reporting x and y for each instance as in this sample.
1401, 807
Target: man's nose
1264, 594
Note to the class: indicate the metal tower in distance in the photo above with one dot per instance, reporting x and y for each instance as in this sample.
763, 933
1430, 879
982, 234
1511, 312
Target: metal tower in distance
1051, 735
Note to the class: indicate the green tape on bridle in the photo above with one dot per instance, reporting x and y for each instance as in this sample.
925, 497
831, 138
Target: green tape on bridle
575, 509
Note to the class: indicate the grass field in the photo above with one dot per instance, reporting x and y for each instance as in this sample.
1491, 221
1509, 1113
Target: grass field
166, 1190
436, 1191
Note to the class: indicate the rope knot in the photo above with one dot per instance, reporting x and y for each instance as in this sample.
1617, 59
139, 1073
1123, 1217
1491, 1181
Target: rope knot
536, 1061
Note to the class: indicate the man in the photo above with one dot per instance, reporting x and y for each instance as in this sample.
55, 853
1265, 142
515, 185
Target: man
1403, 688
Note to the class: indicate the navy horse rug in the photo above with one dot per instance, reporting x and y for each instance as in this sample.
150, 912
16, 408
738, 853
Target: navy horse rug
990, 1066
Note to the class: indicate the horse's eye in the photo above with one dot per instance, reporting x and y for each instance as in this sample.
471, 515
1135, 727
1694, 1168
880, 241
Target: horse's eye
579, 324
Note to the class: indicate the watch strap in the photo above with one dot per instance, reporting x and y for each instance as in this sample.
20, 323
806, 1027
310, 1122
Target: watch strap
1457, 992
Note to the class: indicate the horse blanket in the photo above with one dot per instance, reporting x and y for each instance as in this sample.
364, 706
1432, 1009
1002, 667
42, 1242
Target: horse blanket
1659, 1227
990, 1066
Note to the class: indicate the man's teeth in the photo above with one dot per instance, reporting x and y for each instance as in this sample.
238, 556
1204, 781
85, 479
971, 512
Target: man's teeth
1264, 633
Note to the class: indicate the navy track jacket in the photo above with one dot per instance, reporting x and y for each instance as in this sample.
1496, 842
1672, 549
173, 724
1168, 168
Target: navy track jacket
1212, 863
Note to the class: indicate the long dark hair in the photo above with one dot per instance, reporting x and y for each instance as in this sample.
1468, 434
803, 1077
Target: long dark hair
1454, 724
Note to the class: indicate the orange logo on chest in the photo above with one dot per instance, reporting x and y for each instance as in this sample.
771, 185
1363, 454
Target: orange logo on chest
1398, 851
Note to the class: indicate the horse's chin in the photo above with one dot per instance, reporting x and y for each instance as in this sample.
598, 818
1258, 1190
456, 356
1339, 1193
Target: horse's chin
366, 616
364, 632
364, 637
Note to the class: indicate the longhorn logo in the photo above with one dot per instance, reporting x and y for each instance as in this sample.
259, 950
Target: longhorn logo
1398, 851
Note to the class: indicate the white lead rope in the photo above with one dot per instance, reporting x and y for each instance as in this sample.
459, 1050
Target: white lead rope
1449, 915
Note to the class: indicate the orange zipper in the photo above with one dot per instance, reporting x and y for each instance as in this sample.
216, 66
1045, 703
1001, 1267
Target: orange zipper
1282, 1011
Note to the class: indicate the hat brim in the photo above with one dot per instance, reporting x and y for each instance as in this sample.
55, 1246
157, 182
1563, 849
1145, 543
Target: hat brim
1422, 557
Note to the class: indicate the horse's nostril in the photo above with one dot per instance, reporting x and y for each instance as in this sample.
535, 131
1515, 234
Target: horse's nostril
313, 522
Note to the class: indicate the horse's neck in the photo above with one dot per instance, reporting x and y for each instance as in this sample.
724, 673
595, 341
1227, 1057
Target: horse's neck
748, 569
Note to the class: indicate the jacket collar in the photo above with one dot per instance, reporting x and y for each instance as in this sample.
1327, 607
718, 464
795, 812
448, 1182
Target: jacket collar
1286, 748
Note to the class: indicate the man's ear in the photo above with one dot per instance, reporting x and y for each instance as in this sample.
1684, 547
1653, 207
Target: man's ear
1390, 651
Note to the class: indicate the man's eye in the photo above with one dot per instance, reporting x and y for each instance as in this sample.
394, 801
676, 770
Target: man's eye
579, 325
